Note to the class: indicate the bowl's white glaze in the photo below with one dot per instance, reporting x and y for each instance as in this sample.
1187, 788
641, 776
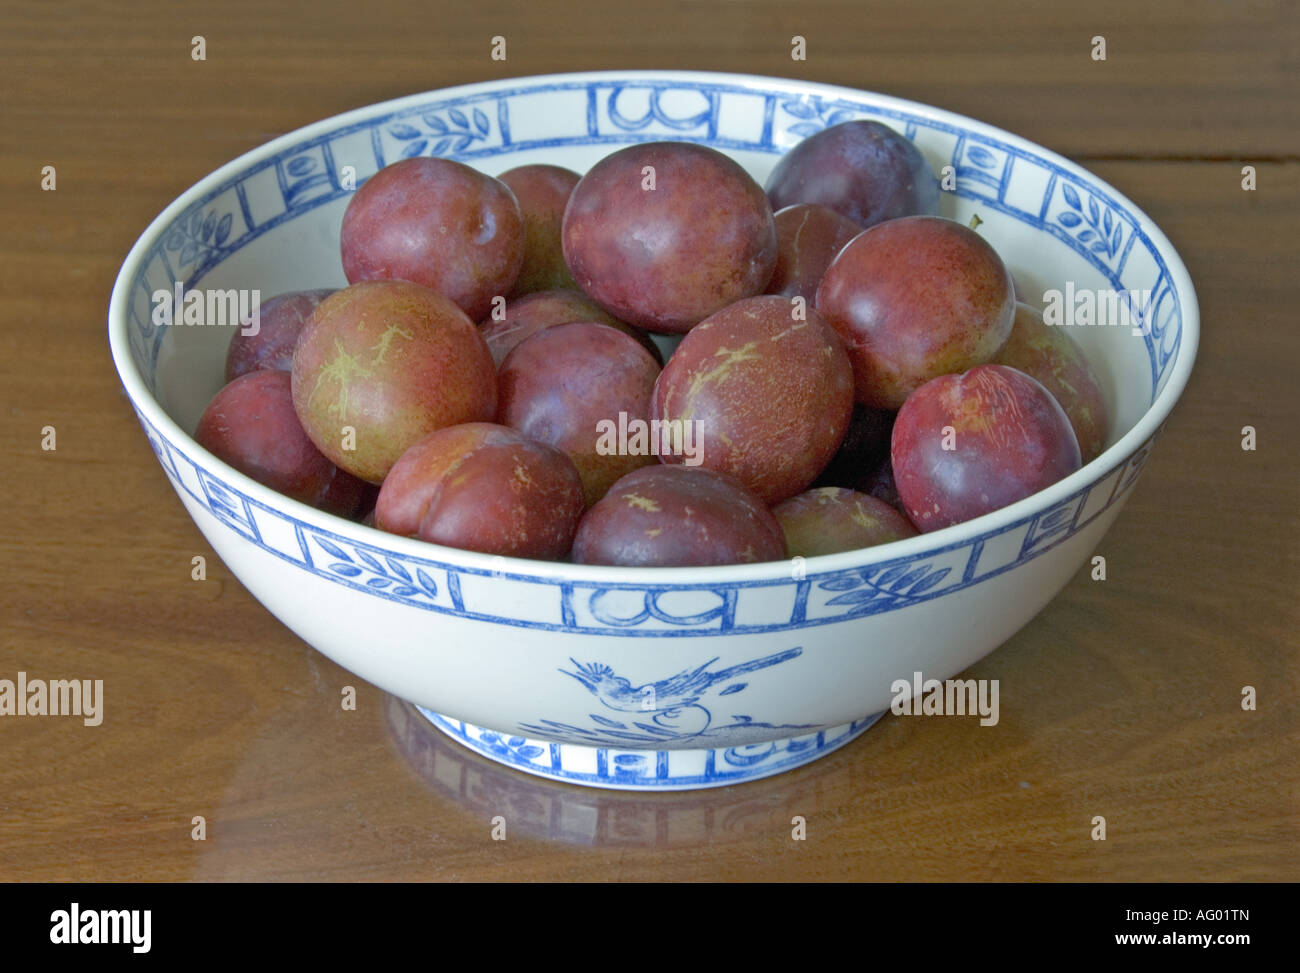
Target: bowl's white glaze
660, 678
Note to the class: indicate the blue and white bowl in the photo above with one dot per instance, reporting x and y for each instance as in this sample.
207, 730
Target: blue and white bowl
648, 679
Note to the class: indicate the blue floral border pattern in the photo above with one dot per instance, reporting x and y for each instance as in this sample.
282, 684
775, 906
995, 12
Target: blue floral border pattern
305, 176
649, 770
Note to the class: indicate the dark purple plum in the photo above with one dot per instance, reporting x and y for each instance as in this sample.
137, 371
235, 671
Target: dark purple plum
543, 192
808, 238
663, 234
251, 425
280, 321
861, 169
438, 223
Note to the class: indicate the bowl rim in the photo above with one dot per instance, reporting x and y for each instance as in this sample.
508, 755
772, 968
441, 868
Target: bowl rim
553, 572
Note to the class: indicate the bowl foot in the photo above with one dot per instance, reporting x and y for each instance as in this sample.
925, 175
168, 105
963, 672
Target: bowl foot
648, 770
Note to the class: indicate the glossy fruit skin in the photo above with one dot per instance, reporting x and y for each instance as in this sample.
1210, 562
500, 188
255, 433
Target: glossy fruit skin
808, 237
865, 446
666, 258
251, 425
438, 223
1052, 357
482, 487
393, 361
913, 299
770, 396
863, 170
1011, 438
561, 385
531, 313
829, 520
542, 191
675, 516
280, 321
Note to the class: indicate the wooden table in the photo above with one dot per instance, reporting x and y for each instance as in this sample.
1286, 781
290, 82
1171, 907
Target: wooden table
214, 708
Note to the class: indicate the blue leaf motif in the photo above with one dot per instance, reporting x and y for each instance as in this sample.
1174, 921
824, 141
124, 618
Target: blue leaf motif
1086, 235
176, 240
487, 736
190, 252
1101, 246
301, 166
1070, 219
436, 125
412, 149
892, 574
843, 115
209, 225
805, 128
603, 721
733, 689
1094, 217
458, 118
460, 143
1115, 240
426, 582
441, 146
515, 742
405, 591
800, 109
929, 581
981, 157
530, 752
911, 578
628, 759
223, 229
371, 560
859, 597
379, 582
480, 121
332, 549
404, 132
1071, 196
347, 570
1107, 222
840, 584
397, 569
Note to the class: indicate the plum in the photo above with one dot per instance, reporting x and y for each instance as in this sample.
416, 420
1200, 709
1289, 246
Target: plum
280, 320
251, 425
913, 299
663, 234
570, 386
966, 445
879, 483
531, 313
865, 445
543, 192
767, 396
483, 487
861, 169
808, 238
438, 223
381, 364
1053, 358
829, 520
674, 516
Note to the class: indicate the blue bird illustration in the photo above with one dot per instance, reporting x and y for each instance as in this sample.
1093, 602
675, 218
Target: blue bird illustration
681, 690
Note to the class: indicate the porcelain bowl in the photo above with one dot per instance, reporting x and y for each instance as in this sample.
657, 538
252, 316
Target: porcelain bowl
646, 679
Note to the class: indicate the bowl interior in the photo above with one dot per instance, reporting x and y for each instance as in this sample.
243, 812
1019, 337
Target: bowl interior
270, 220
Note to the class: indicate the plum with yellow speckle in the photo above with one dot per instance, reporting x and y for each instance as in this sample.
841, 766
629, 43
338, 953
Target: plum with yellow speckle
483, 487
382, 363
767, 389
677, 516
829, 520
966, 445
1053, 358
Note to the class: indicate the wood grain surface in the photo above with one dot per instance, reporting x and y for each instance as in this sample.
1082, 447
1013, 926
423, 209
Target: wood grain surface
1122, 699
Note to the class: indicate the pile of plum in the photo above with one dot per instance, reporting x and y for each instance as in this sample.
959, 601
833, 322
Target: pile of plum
851, 369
